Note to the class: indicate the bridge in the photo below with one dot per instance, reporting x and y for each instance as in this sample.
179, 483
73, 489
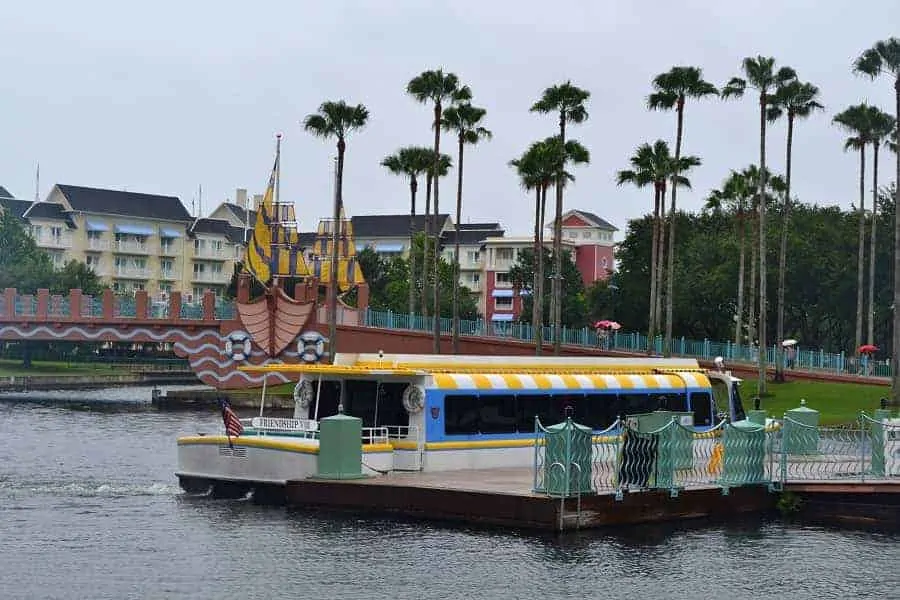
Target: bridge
202, 332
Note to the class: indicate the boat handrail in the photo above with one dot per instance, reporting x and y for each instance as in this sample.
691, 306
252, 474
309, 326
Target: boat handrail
375, 435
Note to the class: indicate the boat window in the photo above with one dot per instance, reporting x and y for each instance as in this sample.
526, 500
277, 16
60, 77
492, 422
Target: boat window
529, 406
461, 414
598, 411
635, 404
497, 414
326, 404
701, 404
671, 401
739, 414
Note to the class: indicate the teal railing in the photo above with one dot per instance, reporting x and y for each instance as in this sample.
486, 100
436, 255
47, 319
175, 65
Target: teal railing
803, 359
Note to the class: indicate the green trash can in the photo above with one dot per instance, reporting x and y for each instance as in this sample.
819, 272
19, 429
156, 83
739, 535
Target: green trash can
568, 444
744, 460
340, 448
801, 433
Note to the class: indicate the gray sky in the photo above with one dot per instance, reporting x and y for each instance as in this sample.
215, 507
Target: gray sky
160, 97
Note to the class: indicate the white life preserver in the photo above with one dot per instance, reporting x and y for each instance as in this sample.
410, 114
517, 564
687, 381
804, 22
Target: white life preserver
237, 345
303, 393
414, 398
311, 346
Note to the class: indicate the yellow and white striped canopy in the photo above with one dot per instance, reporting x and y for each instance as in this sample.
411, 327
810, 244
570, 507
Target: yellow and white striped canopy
506, 381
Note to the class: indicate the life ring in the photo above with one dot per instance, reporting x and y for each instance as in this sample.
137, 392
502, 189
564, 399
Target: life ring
303, 393
237, 345
414, 398
311, 346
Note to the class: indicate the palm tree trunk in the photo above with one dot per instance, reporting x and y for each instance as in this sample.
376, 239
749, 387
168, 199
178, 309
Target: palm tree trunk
754, 263
536, 320
782, 252
654, 251
413, 186
763, 256
557, 246
670, 282
660, 261
861, 253
333, 266
870, 338
542, 275
426, 262
436, 232
895, 338
459, 182
742, 253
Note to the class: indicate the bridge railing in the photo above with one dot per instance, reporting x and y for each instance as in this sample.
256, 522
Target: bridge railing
802, 359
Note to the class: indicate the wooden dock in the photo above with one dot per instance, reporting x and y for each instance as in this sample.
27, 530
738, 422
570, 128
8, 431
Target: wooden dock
504, 497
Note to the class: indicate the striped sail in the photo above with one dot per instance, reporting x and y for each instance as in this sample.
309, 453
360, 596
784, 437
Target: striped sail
349, 273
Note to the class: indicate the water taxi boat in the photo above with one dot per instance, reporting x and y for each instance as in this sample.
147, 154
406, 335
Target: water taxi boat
440, 413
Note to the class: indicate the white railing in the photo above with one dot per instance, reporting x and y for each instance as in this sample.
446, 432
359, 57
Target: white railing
98, 244
170, 249
132, 246
223, 253
53, 241
403, 432
169, 274
375, 435
132, 272
210, 277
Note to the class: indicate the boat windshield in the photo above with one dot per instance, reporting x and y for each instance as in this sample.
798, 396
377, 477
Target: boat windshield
738, 406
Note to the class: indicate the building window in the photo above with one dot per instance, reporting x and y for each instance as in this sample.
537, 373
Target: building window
199, 244
92, 261
476, 277
94, 235
166, 245
473, 256
56, 233
586, 234
572, 234
502, 280
505, 253
199, 268
503, 303
36, 231
604, 262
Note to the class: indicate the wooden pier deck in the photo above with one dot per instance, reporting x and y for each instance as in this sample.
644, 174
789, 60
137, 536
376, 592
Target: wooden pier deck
504, 497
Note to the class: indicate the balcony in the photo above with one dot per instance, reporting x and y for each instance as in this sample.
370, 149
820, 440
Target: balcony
171, 248
169, 275
97, 244
132, 247
223, 253
53, 241
131, 273
210, 277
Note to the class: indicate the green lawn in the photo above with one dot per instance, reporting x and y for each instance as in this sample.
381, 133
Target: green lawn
837, 403
13, 368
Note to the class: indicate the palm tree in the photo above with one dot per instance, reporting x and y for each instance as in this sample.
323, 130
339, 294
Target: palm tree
798, 101
884, 59
735, 192
858, 121
411, 162
463, 119
528, 168
428, 257
437, 87
671, 90
336, 120
654, 164
567, 101
882, 126
760, 74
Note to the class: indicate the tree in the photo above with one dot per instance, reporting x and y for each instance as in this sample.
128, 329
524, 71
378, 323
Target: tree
462, 119
759, 74
884, 59
672, 89
336, 120
567, 101
444, 166
572, 306
411, 162
858, 121
882, 126
654, 164
437, 87
22, 264
798, 101
75, 275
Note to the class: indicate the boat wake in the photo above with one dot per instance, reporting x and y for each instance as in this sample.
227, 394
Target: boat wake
85, 489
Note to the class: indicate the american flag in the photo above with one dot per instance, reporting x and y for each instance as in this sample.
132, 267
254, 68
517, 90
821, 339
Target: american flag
233, 427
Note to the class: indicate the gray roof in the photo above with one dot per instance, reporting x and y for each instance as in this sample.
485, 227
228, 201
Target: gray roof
4, 193
479, 226
469, 238
233, 234
601, 223
17, 207
128, 204
390, 226
50, 211
241, 213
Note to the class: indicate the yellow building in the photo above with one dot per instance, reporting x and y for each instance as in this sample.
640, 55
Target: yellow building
136, 241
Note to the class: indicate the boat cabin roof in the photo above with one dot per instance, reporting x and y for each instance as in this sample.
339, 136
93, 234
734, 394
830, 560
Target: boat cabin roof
507, 372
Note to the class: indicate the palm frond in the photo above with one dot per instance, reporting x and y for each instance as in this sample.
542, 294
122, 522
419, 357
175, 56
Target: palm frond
735, 88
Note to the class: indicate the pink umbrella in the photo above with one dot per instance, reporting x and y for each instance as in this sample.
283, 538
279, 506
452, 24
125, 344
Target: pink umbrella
607, 324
